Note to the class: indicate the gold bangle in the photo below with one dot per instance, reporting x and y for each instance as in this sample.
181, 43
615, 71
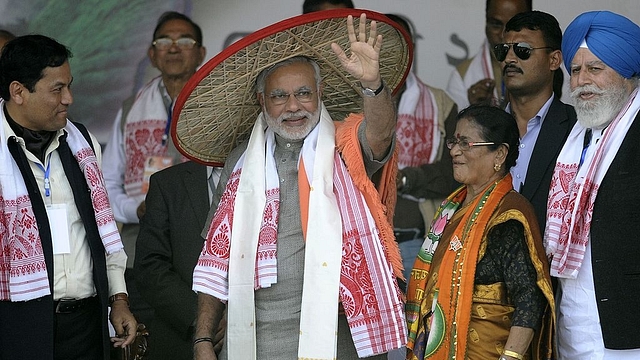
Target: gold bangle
119, 296
512, 354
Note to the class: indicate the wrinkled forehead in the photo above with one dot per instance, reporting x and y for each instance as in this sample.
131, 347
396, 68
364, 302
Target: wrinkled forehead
468, 127
584, 56
291, 76
177, 27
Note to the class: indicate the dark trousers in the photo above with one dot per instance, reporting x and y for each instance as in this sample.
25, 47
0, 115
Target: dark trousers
30, 330
26, 329
78, 334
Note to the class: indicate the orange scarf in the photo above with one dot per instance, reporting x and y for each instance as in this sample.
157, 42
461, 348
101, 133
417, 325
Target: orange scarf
440, 293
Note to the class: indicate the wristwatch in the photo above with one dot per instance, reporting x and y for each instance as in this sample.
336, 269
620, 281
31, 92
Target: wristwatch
119, 296
368, 92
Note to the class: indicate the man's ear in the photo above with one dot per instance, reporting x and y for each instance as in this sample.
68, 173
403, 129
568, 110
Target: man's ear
152, 56
260, 97
202, 52
555, 58
17, 92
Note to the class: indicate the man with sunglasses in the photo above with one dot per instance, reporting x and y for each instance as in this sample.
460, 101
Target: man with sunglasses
478, 80
139, 144
592, 227
529, 58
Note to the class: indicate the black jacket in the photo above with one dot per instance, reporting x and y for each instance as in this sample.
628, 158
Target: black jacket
555, 128
615, 246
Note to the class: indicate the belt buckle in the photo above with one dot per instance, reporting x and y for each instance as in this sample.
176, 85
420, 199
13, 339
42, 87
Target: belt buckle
66, 306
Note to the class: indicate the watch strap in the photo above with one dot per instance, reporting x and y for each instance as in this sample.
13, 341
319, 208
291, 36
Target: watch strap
371, 92
119, 296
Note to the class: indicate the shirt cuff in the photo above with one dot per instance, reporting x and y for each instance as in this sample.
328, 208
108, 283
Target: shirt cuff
116, 265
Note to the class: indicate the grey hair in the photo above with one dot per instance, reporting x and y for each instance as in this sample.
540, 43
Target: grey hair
262, 77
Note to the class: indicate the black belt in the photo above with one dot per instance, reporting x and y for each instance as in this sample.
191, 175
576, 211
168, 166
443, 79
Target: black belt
408, 234
68, 306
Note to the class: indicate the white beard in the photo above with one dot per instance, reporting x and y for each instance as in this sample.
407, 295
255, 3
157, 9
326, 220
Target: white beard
599, 112
291, 133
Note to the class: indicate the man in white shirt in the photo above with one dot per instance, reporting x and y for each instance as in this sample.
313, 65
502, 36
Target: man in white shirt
62, 264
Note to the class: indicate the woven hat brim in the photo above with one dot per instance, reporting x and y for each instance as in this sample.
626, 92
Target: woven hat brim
217, 108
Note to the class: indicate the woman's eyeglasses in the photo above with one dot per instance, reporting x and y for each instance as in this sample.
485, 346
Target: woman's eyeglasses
464, 144
521, 49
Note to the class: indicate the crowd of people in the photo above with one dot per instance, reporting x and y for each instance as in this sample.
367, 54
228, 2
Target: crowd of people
490, 220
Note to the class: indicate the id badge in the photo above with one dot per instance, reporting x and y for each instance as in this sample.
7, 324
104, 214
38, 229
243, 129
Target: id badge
57, 214
152, 165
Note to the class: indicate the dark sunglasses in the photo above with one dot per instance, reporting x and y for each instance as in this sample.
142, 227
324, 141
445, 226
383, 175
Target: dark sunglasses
522, 50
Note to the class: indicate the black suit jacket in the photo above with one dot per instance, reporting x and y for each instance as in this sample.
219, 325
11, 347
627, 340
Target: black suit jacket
555, 128
615, 245
167, 250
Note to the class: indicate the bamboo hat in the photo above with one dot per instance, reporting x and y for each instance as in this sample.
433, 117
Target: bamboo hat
217, 107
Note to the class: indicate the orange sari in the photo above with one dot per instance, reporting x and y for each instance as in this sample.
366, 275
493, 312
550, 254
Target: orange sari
441, 288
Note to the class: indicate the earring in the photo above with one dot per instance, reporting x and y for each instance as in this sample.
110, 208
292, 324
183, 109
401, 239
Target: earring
497, 167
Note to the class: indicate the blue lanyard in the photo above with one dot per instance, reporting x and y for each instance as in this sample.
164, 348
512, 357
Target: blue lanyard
165, 136
47, 171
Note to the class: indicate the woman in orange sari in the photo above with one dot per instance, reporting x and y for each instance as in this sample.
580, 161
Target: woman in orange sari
480, 286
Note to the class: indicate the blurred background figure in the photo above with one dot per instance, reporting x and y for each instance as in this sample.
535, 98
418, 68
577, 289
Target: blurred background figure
318, 5
140, 144
426, 116
479, 79
5, 36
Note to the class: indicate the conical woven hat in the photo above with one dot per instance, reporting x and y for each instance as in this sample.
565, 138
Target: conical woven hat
217, 108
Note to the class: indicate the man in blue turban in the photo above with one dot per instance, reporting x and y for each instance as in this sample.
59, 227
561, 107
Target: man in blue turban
592, 230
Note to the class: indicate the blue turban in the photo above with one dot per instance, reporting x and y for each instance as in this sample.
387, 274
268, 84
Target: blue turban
613, 38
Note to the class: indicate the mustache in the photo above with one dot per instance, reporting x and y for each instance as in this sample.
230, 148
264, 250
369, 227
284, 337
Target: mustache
512, 67
294, 115
586, 89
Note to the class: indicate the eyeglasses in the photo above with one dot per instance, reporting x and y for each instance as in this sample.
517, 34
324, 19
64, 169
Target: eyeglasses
522, 50
183, 43
281, 98
464, 144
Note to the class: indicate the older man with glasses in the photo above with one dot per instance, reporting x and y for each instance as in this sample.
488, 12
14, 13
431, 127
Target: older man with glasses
139, 143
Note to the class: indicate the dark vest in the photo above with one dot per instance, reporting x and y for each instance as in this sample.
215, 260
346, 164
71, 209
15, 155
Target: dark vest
615, 246
26, 327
